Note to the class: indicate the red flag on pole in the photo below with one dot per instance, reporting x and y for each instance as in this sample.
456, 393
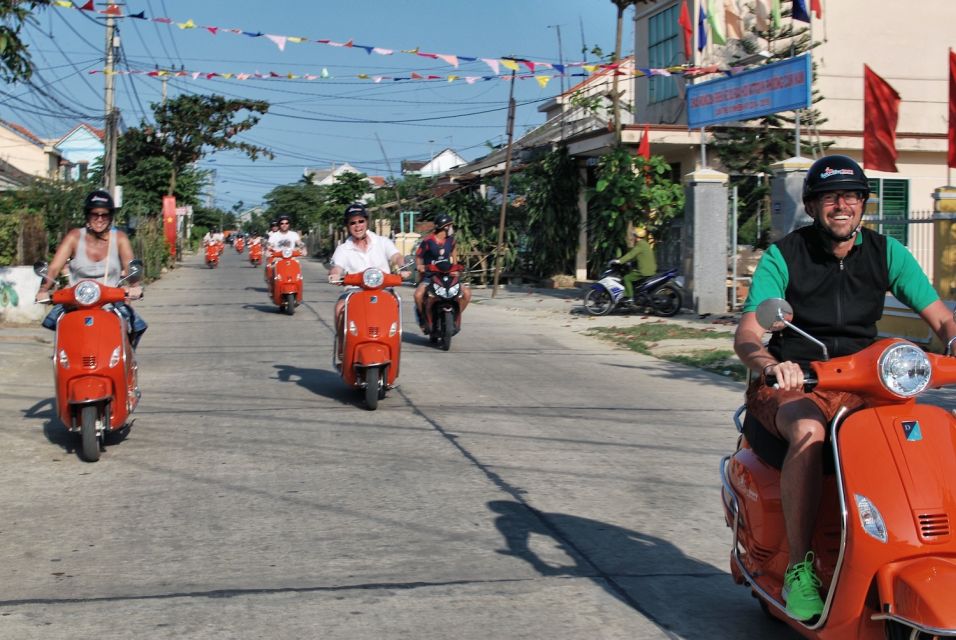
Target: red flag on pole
644, 148
817, 7
881, 110
951, 158
688, 27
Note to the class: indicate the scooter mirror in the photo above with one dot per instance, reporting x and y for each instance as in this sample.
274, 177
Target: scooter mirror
774, 313
135, 271
41, 268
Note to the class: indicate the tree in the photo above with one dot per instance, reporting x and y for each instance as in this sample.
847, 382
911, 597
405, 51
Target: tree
15, 62
191, 125
303, 201
552, 196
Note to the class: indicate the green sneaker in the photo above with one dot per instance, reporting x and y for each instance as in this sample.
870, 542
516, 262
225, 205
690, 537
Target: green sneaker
801, 590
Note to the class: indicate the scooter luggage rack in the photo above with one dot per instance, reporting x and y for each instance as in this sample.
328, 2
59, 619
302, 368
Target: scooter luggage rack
767, 598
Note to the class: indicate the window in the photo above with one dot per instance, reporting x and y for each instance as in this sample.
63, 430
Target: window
894, 198
664, 50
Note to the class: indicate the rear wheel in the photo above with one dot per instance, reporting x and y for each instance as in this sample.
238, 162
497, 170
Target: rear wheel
289, 303
666, 301
598, 302
90, 442
447, 330
371, 388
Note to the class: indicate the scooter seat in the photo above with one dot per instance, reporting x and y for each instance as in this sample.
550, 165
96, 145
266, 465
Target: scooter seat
773, 450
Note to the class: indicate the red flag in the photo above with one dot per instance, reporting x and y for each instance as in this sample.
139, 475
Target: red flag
644, 148
87, 7
688, 27
881, 110
817, 7
951, 158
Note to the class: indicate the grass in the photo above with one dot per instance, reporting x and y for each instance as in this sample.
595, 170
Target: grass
644, 337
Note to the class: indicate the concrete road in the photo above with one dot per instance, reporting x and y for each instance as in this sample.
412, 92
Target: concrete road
531, 483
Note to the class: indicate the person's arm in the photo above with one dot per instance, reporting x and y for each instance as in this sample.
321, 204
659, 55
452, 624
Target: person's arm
63, 253
940, 319
749, 347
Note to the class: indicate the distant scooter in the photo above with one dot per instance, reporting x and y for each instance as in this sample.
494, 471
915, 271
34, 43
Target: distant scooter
255, 254
239, 244
884, 535
212, 255
662, 294
285, 286
442, 306
94, 365
368, 344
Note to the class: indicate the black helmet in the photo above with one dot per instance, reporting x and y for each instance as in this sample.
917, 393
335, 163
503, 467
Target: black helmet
442, 220
99, 199
355, 210
834, 173
273, 223
283, 218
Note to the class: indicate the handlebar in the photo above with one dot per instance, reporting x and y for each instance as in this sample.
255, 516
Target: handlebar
809, 382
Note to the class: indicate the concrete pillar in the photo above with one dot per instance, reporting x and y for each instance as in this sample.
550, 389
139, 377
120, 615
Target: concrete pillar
581, 260
944, 242
704, 240
786, 196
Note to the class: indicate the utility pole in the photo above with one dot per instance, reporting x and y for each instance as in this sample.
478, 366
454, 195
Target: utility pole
110, 110
398, 195
504, 194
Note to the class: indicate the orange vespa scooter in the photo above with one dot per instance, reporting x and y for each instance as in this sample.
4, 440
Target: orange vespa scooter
285, 286
212, 255
255, 254
239, 244
94, 365
368, 344
884, 535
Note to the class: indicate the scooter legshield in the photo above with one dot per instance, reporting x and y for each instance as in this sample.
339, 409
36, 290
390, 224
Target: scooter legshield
371, 354
921, 591
89, 389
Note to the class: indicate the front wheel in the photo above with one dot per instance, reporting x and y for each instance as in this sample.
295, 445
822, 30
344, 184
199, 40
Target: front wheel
448, 329
666, 300
598, 302
289, 303
90, 441
371, 388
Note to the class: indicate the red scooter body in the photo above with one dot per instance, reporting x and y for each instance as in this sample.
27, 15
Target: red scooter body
212, 255
255, 254
239, 244
442, 306
285, 285
894, 458
369, 343
94, 366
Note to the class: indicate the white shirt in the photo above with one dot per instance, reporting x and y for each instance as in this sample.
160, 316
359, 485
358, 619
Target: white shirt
351, 259
283, 239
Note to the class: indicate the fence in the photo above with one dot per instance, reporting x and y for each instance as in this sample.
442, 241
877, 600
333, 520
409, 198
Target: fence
918, 233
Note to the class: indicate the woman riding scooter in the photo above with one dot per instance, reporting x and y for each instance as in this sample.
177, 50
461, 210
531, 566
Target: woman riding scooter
95, 251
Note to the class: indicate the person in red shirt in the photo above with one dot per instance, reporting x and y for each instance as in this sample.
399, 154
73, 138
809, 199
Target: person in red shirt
437, 246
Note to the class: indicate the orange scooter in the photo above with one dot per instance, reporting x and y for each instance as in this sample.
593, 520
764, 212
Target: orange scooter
368, 344
212, 255
94, 365
884, 536
285, 285
255, 254
239, 244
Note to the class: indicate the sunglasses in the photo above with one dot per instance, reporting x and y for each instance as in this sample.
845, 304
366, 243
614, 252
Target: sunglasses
355, 222
99, 215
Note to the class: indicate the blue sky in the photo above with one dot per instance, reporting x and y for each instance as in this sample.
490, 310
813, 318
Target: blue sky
311, 123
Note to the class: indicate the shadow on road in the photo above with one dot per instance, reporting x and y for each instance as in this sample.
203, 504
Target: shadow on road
264, 308
416, 339
676, 592
321, 382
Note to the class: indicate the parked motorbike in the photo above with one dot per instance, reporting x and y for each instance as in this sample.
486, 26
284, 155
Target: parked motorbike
255, 254
285, 285
883, 539
442, 306
662, 294
212, 255
94, 365
239, 244
368, 343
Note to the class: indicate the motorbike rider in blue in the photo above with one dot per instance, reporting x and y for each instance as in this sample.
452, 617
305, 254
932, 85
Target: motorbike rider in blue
835, 273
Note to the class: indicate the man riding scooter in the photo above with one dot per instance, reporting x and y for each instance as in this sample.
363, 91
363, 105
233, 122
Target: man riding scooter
438, 246
283, 238
835, 274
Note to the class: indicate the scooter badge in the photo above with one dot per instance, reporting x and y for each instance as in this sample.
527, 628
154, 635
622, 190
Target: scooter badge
88, 321
912, 431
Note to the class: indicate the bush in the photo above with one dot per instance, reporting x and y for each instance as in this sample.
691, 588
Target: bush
151, 247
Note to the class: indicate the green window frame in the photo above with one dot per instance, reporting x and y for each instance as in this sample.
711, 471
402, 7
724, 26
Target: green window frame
664, 50
894, 195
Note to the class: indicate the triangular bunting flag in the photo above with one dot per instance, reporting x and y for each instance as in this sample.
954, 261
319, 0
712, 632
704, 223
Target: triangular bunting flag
212, 30
452, 60
543, 80
139, 16
452, 78
491, 63
112, 10
296, 39
87, 7
471, 79
529, 64
189, 24
278, 40
559, 68
415, 76
195, 75
325, 72
383, 52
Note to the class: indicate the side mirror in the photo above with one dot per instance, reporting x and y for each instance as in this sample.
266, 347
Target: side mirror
774, 314
41, 268
135, 271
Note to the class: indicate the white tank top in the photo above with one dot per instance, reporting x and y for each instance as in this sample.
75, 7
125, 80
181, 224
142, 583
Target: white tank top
82, 268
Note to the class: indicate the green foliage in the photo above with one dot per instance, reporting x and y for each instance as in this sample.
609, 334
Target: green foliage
347, 188
552, 200
15, 62
305, 203
629, 190
9, 232
59, 203
150, 246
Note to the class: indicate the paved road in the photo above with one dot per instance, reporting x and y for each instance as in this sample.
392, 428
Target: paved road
532, 483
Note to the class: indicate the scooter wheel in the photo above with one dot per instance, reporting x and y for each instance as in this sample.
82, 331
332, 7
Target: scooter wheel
598, 302
90, 442
371, 388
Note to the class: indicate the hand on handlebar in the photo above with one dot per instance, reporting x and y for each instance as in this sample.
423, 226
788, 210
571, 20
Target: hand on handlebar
134, 292
786, 376
42, 297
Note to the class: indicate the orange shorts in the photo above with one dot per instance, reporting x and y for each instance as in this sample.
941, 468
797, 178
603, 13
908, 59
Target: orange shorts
763, 402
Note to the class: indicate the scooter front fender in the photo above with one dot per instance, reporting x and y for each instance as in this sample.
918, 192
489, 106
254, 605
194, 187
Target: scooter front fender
86, 389
919, 592
371, 354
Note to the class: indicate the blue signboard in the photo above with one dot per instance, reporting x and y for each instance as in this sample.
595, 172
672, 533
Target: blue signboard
781, 86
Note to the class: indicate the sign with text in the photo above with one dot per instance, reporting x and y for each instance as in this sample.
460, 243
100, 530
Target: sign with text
781, 86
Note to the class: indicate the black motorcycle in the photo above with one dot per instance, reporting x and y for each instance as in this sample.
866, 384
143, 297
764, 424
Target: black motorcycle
661, 294
442, 307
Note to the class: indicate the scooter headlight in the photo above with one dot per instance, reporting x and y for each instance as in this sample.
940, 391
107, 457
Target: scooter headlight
441, 292
372, 278
870, 518
115, 357
905, 370
287, 253
87, 292
453, 290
